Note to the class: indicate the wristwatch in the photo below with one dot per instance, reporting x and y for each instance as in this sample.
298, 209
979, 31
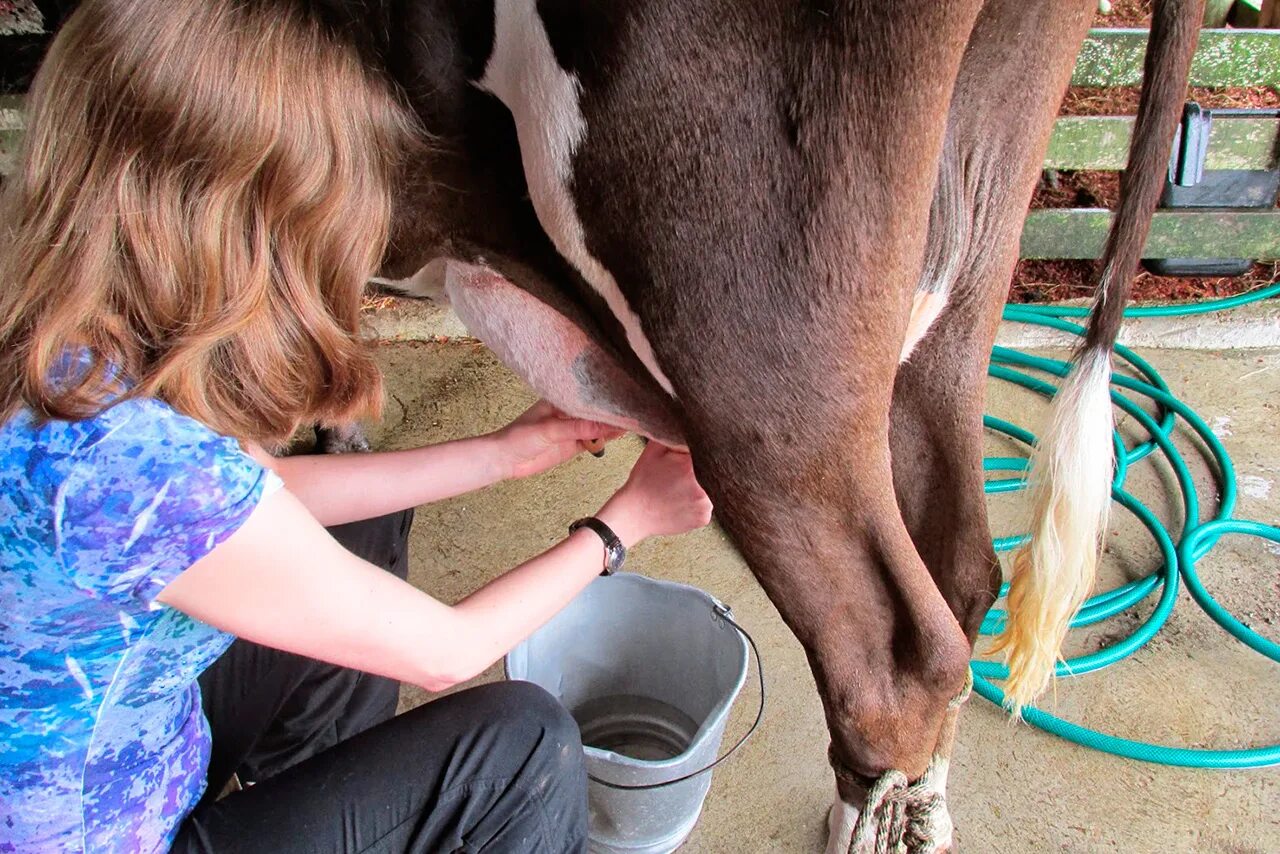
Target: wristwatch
614, 551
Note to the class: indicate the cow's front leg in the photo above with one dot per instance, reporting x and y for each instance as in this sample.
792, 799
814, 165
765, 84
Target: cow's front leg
807, 494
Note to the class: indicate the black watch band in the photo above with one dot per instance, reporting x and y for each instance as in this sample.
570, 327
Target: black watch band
614, 551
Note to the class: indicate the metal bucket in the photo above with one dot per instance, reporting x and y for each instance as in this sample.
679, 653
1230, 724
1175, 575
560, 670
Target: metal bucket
649, 670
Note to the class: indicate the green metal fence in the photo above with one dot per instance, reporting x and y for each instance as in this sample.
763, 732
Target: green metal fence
1229, 57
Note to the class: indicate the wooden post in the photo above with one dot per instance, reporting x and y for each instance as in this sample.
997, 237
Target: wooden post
1257, 14
1216, 12
1269, 17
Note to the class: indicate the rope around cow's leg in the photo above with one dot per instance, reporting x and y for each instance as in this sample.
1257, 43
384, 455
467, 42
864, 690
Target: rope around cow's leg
900, 817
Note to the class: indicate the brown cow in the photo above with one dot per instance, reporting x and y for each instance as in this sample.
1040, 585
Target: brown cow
779, 232
728, 224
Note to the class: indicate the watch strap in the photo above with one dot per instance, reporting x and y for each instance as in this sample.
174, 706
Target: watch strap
614, 552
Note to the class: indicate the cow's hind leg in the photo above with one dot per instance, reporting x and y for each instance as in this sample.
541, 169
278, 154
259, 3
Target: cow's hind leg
808, 497
936, 441
990, 165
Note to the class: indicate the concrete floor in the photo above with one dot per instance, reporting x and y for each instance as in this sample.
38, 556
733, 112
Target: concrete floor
1013, 788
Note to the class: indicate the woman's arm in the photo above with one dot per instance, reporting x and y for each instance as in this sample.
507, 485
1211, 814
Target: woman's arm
282, 581
340, 488
347, 487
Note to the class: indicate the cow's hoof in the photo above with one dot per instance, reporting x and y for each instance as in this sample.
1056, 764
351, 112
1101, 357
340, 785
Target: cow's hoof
428, 283
341, 440
842, 819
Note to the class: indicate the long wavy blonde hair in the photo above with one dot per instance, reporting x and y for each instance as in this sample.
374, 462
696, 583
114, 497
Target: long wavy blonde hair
201, 194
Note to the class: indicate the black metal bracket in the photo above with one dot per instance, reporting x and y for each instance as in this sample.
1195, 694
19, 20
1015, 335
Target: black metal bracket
1190, 185
1190, 146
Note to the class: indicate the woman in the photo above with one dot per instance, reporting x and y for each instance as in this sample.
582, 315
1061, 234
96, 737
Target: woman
202, 192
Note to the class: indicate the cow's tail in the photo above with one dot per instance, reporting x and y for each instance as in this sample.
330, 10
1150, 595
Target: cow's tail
1071, 465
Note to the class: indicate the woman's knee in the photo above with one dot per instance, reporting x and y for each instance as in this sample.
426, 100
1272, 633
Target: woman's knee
525, 712
532, 706
542, 740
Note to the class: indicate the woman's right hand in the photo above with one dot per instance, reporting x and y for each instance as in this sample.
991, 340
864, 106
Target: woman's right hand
661, 497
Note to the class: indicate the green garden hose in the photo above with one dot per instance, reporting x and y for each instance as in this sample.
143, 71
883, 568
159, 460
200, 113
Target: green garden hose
1179, 554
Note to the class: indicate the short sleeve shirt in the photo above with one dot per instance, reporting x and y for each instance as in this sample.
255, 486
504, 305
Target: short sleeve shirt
103, 744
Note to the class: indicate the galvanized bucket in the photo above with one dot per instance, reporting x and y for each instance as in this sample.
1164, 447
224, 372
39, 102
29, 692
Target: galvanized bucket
650, 670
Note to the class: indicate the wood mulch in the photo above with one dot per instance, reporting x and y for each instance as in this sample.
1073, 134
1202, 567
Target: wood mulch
1078, 190
1125, 13
1051, 281
1098, 101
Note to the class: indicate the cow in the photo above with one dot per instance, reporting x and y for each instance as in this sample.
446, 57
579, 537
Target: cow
779, 233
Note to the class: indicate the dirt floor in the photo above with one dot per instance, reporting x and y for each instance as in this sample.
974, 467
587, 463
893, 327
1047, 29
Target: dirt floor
1013, 788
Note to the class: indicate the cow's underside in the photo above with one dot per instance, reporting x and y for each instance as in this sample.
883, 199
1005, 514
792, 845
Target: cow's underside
724, 225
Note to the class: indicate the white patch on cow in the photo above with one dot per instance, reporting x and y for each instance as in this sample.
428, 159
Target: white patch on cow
935, 779
925, 308
937, 773
1221, 426
1254, 486
543, 99
427, 283
840, 821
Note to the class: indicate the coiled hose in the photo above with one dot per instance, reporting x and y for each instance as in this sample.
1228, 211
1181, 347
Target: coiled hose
1179, 554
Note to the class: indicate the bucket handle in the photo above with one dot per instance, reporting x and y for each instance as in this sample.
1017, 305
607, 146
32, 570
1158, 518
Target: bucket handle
723, 612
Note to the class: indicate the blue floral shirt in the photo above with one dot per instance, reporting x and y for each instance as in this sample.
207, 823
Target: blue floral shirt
103, 744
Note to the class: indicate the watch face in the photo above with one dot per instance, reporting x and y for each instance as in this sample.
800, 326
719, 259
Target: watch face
614, 552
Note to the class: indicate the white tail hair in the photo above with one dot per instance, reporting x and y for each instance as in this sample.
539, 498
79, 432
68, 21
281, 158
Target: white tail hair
1071, 465
1070, 499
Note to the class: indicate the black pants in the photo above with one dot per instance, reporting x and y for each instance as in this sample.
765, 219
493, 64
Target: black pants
494, 768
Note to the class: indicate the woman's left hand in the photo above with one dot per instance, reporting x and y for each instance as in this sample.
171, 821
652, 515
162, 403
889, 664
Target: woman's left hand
544, 437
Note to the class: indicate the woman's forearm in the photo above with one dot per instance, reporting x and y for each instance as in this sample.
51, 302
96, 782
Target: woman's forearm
398, 631
340, 488
282, 582
350, 487
511, 607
